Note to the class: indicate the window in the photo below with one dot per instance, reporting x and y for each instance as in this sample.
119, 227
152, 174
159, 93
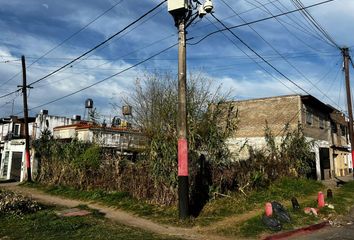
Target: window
334, 127
17, 130
322, 122
309, 118
6, 164
343, 130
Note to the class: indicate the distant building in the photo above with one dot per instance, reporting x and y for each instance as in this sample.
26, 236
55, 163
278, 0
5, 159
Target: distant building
123, 139
12, 141
12, 147
323, 124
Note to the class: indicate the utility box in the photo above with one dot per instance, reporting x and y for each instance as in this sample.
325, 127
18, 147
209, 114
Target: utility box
177, 5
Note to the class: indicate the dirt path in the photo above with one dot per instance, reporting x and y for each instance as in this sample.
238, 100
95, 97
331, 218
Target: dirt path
113, 214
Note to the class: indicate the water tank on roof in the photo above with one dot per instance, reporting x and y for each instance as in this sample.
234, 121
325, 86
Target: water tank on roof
116, 122
89, 103
77, 117
44, 112
127, 110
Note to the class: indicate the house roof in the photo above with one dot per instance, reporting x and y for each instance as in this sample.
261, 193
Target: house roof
308, 99
90, 126
314, 102
265, 98
16, 119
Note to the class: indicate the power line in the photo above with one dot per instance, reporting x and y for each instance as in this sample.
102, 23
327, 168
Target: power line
301, 26
100, 44
254, 60
10, 61
122, 35
92, 49
299, 4
281, 22
109, 60
107, 78
258, 55
66, 39
263, 59
327, 73
259, 20
275, 50
119, 58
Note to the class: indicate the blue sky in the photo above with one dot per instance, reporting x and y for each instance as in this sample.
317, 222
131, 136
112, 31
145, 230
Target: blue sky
33, 27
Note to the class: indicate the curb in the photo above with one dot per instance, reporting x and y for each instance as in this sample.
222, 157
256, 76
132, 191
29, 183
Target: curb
300, 231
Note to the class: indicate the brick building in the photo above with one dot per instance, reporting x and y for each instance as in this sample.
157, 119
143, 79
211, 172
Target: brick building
323, 124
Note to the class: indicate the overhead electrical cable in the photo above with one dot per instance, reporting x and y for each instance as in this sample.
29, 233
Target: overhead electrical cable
115, 59
107, 78
100, 44
281, 22
67, 39
254, 60
300, 24
91, 50
258, 55
307, 14
122, 35
327, 73
259, 20
276, 51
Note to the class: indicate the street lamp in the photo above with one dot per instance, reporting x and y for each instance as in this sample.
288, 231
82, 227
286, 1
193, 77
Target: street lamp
182, 13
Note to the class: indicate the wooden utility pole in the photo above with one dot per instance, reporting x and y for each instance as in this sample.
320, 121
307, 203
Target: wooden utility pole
183, 174
182, 12
25, 114
346, 57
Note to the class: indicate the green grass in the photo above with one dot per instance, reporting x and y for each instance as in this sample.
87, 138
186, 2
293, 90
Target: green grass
162, 214
281, 190
343, 200
215, 210
47, 225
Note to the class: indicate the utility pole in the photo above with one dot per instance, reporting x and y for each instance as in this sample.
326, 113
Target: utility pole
346, 57
181, 10
183, 174
25, 114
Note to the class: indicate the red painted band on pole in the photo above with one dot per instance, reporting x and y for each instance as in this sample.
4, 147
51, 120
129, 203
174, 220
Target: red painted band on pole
27, 156
182, 157
352, 156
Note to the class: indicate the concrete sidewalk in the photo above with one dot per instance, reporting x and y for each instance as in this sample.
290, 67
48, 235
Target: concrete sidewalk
343, 232
332, 183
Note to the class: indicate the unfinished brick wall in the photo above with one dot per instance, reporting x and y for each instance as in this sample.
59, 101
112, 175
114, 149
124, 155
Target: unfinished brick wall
277, 111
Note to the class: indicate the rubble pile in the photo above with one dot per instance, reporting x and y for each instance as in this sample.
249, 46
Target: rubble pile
16, 204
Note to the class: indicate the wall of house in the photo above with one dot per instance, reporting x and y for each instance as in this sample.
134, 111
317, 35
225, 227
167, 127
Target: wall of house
64, 133
277, 111
253, 116
240, 146
315, 123
49, 122
12, 146
120, 140
4, 130
324, 173
341, 163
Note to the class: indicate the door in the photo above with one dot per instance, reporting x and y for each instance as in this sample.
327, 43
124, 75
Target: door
325, 164
16, 163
